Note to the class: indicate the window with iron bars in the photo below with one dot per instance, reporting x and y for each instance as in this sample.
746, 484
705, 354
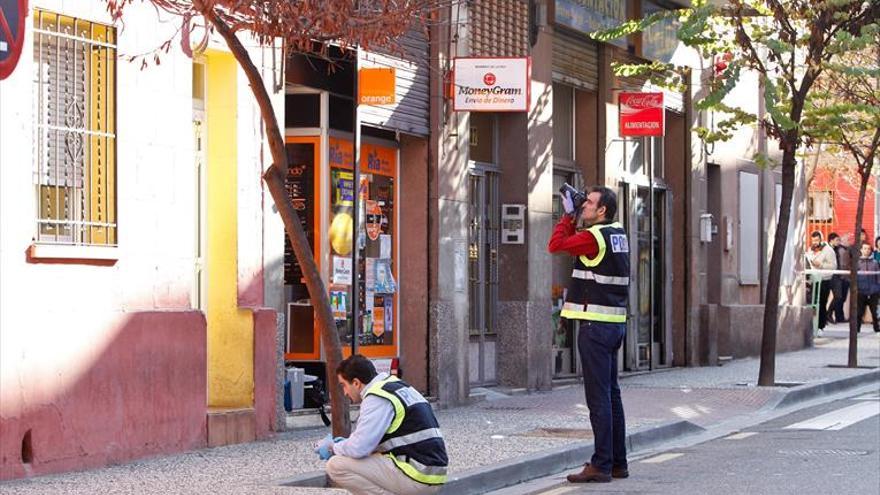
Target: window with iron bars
75, 130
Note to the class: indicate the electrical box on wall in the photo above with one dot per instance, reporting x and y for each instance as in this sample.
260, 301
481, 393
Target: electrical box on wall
513, 224
707, 228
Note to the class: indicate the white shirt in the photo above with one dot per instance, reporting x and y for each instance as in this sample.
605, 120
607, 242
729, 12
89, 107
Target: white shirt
375, 418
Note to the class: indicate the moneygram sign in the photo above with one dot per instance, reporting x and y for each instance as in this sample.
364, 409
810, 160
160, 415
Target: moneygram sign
641, 114
491, 85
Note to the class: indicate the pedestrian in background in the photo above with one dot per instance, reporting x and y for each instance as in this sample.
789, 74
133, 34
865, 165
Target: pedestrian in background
839, 283
597, 297
877, 249
869, 286
822, 257
396, 447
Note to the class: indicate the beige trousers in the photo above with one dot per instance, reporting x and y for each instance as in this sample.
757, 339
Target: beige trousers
373, 475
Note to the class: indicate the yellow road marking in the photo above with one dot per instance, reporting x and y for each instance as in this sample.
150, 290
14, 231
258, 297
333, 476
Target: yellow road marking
740, 436
662, 458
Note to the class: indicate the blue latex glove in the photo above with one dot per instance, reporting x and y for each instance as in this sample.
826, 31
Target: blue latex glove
567, 203
323, 449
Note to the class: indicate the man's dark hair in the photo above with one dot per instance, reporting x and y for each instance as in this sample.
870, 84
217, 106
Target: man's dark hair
608, 199
816, 233
832, 236
356, 366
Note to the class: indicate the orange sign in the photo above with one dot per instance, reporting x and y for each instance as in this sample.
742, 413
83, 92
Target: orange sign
374, 159
376, 86
378, 159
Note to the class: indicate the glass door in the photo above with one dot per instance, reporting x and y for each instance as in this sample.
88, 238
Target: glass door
646, 343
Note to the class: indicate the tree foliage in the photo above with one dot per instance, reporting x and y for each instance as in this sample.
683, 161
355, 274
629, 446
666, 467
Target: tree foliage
844, 112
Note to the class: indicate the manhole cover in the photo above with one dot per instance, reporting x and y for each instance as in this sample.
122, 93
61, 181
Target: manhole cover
578, 433
824, 452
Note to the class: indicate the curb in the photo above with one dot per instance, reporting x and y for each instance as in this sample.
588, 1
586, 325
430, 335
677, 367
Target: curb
525, 468
808, 392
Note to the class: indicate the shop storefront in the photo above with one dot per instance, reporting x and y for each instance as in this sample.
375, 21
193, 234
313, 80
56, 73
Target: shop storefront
319, 124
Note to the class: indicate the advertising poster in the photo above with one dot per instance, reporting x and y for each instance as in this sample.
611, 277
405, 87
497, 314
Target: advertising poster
379, 321
383, 282
341, 270
389, 314
385, 246
339, 304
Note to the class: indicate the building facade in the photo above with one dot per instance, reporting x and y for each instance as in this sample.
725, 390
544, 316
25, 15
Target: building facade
132, 319
177, 302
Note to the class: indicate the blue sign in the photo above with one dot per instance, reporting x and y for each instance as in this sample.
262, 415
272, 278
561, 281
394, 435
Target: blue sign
587, 16
660, 40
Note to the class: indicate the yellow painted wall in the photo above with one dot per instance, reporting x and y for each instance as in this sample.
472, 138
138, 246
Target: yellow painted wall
230, 329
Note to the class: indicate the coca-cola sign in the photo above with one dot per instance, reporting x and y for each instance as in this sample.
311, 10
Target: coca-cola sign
641, 114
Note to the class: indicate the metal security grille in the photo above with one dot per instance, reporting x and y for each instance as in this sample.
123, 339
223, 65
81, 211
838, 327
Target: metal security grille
75, 130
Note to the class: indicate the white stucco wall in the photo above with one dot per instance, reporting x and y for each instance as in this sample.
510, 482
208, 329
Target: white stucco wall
56, 318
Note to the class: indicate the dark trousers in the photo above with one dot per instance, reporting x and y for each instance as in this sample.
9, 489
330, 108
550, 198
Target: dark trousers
840, 289
823, 303
598, 344
871, 303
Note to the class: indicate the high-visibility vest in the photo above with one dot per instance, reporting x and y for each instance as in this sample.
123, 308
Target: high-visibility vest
413, 440
599, 288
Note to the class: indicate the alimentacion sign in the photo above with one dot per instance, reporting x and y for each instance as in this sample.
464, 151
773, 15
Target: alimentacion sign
641, 114
491, 84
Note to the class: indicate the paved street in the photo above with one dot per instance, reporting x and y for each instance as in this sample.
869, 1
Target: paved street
501, 427
830, 448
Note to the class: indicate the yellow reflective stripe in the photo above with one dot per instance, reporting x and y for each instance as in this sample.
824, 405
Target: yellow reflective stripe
399, 410
411, 471
605, 318
596, 230
606, 314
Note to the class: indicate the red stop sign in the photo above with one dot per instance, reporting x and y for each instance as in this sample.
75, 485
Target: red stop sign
12, 15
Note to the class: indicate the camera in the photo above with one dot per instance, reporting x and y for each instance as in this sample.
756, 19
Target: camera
577, 197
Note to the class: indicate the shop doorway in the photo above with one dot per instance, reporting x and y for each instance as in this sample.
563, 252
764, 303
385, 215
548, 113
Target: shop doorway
644, 208
644, 213
484, 211
566, 362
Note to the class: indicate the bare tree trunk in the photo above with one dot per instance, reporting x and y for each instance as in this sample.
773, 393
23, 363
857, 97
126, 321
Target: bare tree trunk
274, 177
767, 373
855, 320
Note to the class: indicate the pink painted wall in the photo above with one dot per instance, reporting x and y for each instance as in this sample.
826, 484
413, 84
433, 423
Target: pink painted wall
143, 394
265, 368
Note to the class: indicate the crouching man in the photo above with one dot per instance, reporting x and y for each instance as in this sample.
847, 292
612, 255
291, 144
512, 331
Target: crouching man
396, 446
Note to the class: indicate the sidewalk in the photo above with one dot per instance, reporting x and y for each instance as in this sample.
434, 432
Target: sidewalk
497, 429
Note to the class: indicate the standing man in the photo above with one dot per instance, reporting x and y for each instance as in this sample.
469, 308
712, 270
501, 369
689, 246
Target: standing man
597, 297
396, 447
822, 257
839, 283
869, 286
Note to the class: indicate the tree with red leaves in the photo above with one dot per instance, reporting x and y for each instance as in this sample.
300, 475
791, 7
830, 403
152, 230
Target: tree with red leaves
304, 26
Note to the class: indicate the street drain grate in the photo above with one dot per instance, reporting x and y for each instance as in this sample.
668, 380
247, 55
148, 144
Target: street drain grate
824, 452
578, 433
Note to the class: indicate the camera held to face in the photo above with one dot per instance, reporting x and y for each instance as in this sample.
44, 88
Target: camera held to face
577, 197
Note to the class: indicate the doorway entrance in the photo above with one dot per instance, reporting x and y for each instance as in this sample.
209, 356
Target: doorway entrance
484, 222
